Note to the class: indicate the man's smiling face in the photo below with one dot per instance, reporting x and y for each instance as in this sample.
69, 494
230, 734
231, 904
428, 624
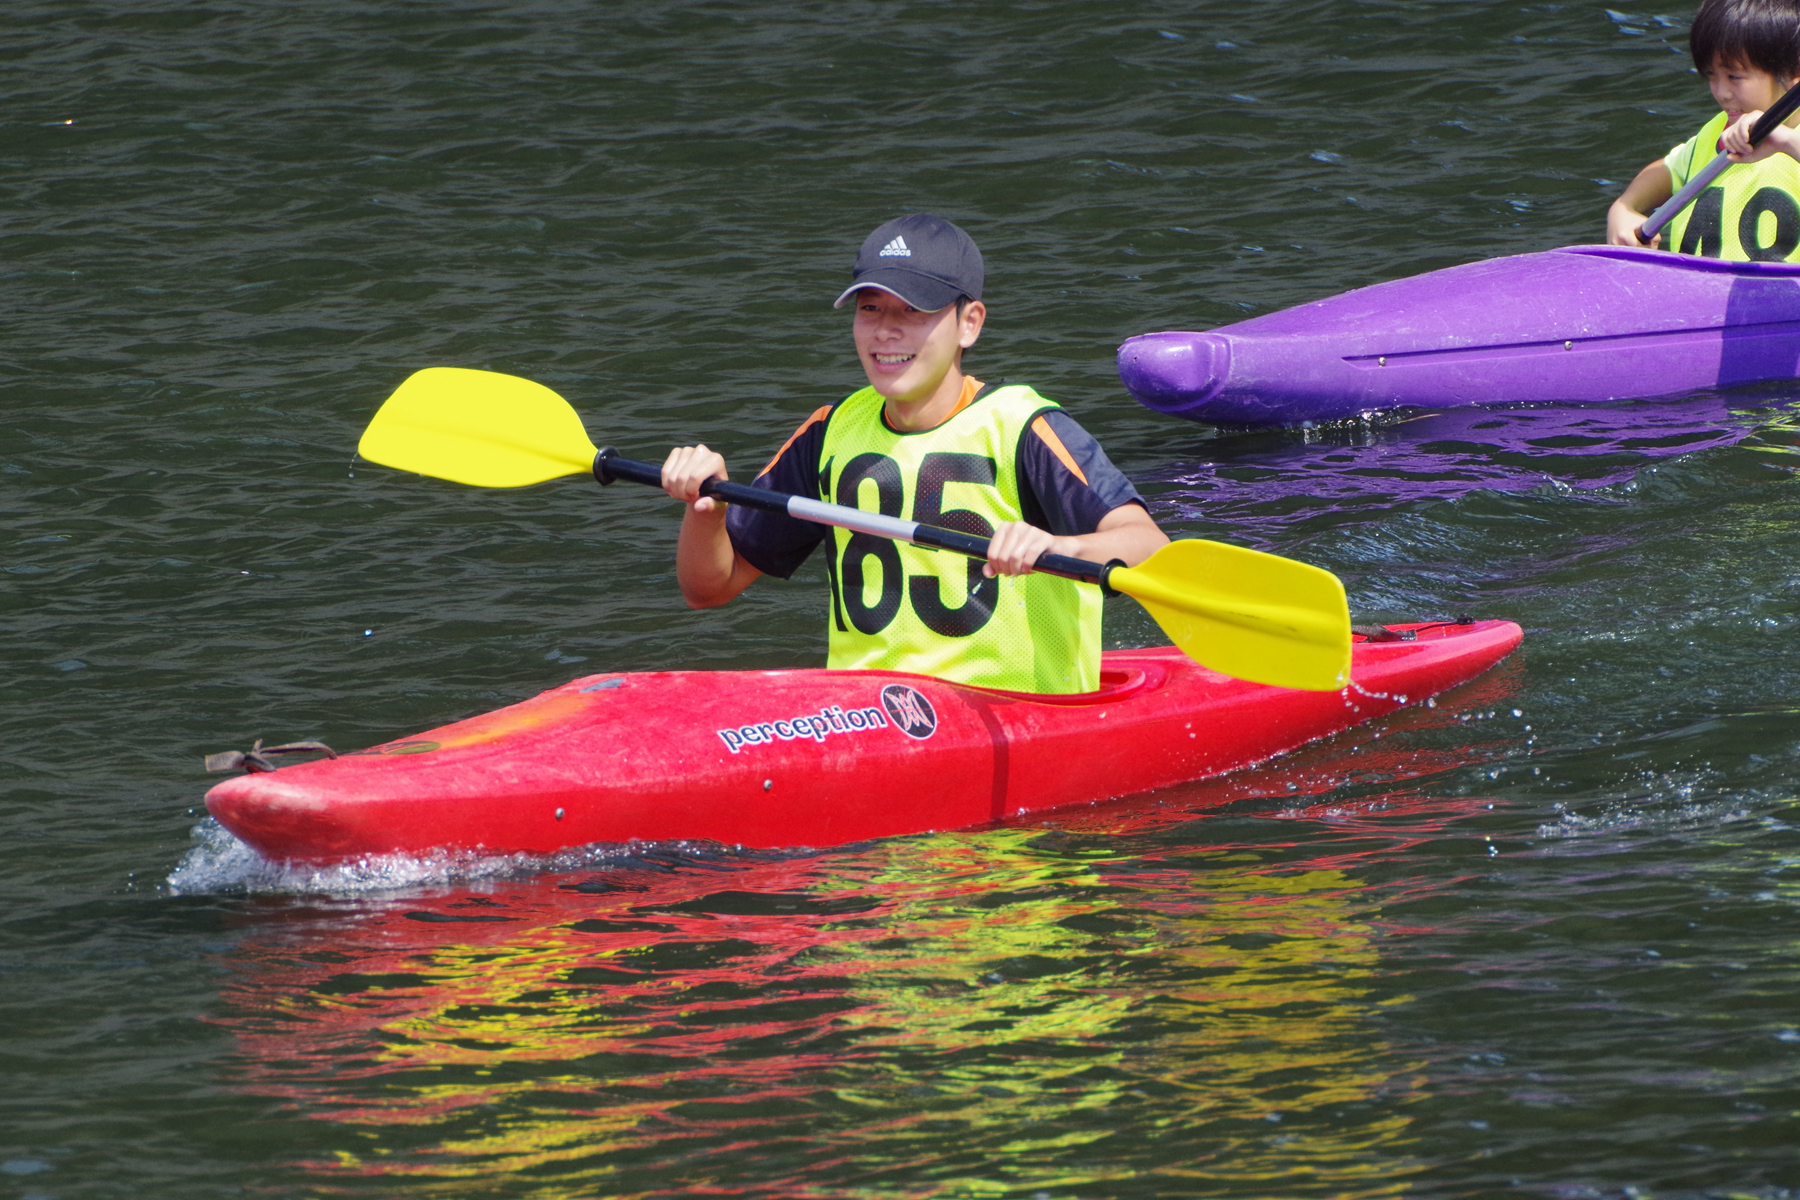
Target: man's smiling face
906, 352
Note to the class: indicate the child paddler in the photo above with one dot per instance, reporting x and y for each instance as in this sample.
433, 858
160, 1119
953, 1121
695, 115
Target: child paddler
1749, 53
928, 443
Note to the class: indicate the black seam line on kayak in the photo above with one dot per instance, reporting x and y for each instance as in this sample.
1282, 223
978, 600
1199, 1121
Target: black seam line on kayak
1710, 333
1002, 753
1459, 622
1381, 633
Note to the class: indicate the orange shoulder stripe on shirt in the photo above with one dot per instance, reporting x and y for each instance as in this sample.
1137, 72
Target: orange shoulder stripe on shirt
819, 414
1042, 428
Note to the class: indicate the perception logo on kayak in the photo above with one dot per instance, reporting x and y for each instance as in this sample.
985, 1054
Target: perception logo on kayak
817, 726
912, 715
911, 711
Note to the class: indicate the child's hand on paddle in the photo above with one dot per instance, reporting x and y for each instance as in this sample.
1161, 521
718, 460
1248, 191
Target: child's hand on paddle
1736, 140
1623, 223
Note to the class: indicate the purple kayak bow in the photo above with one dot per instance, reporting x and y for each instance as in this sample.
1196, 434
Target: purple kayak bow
1577, 325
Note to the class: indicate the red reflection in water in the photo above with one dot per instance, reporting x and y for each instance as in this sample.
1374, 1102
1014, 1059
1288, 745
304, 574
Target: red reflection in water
1109, 995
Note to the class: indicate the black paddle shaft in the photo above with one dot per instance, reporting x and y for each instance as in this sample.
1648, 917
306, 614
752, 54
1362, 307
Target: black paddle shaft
609, 466
1778, 112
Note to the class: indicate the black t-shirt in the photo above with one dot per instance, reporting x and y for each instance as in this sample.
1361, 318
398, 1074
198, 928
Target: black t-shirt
1066, 485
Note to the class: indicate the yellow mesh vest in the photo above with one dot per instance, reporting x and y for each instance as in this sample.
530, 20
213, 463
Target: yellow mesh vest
901, 607
1749, 214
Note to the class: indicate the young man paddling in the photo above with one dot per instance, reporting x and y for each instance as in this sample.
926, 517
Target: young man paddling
928, 443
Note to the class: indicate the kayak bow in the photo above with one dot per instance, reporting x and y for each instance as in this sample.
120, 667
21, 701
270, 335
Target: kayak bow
1582, 325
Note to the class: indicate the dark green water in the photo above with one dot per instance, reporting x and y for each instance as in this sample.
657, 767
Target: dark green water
1543, 939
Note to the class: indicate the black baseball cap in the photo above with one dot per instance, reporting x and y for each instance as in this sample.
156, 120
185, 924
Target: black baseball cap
924, 260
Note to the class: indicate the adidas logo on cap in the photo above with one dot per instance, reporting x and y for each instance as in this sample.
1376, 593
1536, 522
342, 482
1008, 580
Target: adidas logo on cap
921, 258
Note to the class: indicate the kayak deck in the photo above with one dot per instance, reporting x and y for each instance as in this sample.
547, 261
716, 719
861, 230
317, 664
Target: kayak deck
812, 757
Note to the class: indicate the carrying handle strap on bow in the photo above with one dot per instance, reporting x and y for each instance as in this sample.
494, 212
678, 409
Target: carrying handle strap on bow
254, 761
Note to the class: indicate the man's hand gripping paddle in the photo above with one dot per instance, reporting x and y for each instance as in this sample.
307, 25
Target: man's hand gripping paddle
1243, 613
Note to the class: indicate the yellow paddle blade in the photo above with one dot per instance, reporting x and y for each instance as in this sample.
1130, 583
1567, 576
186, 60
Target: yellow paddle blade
478, 427
1246, 614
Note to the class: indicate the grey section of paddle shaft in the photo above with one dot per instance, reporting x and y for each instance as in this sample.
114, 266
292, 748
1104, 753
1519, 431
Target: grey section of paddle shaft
1780, 111
935, 536
609, 466
1680, 200
858, 521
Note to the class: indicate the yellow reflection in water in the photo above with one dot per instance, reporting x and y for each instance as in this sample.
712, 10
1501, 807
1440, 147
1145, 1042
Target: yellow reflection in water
960, 1014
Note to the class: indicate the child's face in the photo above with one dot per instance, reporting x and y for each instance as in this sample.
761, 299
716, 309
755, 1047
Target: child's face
1740, 89
907, 353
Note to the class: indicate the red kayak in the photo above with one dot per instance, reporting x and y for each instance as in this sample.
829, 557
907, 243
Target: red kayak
814, 757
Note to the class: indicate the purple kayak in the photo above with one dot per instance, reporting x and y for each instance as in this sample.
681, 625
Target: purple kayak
1581, 325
